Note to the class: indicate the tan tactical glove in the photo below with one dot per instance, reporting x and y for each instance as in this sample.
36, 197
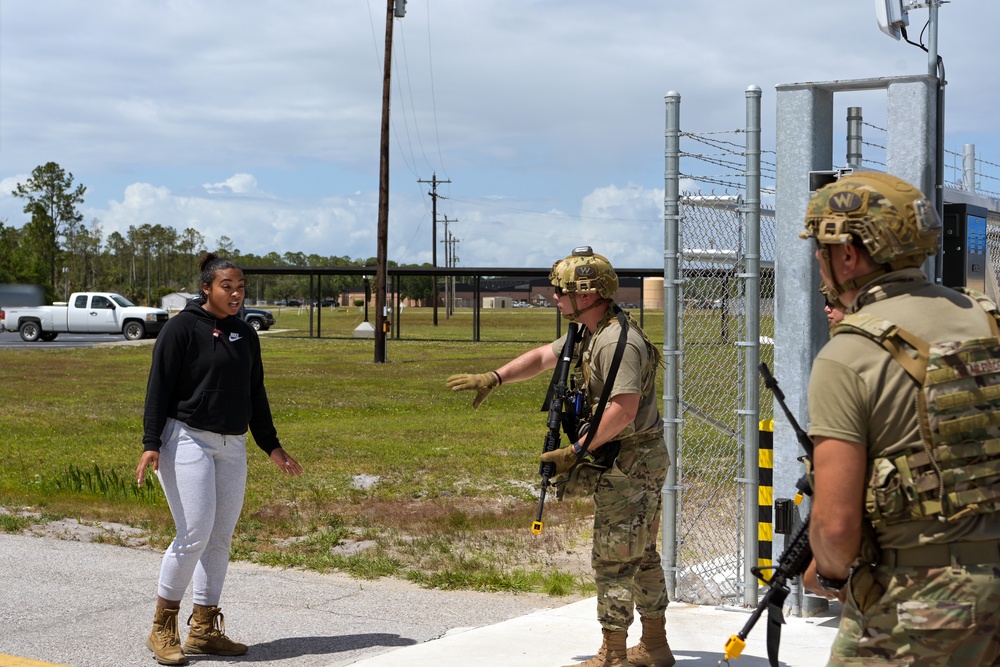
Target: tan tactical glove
483, 383
563, 458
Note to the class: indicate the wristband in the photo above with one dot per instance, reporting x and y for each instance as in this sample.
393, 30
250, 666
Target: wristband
577, 449
832, 585
497, 376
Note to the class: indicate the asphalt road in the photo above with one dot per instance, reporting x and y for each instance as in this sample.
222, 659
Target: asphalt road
12, 340
91, 605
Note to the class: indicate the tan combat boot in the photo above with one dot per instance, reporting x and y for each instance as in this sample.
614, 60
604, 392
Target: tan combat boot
164, 641
612, 652
208, 634
653, 650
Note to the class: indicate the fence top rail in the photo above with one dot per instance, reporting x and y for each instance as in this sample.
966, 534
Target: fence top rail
480, 272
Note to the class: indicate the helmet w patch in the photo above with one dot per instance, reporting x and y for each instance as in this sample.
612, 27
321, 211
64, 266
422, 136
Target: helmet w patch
896, 223
585, 272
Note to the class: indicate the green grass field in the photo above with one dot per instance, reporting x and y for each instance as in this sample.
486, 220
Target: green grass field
403, 478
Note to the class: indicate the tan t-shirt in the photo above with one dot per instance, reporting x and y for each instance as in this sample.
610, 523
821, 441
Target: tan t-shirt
598, 351
858, 393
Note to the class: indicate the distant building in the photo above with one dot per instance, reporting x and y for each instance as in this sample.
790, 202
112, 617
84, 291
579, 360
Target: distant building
496, 302
176, 301
537, 291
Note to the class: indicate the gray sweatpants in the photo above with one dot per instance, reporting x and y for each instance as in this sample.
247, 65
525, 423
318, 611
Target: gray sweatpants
203, 475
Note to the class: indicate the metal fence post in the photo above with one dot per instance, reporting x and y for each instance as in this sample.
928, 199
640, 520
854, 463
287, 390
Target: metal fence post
671, 284
751, 345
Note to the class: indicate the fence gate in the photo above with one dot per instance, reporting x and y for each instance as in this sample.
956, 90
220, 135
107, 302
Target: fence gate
712, 320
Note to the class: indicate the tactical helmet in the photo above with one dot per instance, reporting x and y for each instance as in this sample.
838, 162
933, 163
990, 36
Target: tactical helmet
894, 220
585, 272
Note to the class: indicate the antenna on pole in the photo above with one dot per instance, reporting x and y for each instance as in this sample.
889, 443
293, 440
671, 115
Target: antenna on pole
892, 17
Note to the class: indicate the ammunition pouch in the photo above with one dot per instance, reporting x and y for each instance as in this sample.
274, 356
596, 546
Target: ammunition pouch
959, 481
582, 479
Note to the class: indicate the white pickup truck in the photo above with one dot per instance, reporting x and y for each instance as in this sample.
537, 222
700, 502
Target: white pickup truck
86, 312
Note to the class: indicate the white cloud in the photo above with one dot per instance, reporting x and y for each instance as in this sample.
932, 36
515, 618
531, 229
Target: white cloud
236, 184
260, 121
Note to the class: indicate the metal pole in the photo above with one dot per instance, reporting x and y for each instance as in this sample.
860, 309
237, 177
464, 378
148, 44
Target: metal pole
934, 69
671, 353
969, 167
854, 141
751, 407
932, 38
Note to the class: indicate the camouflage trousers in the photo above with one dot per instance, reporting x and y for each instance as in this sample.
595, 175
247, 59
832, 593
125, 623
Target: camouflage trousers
927, 616
628, 503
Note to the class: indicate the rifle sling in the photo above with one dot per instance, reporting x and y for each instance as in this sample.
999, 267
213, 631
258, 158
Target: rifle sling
616, 361
775, 619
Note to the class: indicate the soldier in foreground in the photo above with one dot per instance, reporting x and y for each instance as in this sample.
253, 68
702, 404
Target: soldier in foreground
623, 463
904, 411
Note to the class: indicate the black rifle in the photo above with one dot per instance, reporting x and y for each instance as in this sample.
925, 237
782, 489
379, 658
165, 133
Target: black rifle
792, 563
556, 398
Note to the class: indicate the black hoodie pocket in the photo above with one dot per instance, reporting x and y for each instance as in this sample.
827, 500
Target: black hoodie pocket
221, 412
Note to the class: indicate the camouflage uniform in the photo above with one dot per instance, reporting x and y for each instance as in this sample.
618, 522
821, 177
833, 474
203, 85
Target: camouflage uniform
628, 497
928, 591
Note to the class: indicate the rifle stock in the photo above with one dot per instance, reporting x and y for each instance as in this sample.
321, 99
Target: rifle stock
792, 563
558, 393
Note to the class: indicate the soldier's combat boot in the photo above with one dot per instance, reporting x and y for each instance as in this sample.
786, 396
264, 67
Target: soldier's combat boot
208, 634
164, 641
611, 653
653, 649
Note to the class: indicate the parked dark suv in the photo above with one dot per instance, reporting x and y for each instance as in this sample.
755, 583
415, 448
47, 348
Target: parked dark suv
327, 303
261, 320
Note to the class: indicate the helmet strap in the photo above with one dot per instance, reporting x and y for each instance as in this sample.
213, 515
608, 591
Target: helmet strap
577, 311
839, 289
861, 281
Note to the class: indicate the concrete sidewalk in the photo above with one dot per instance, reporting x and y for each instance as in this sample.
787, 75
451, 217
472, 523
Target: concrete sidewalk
85, 604
570, 634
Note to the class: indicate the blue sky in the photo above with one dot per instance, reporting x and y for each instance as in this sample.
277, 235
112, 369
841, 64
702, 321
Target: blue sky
259, 120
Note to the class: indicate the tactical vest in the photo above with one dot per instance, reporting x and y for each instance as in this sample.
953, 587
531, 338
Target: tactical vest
581, 377
954, 471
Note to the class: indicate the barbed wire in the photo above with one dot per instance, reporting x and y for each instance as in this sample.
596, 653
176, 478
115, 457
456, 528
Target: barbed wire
725, 158
728, 153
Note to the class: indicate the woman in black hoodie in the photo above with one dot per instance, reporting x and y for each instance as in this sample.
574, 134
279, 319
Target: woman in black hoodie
205, 389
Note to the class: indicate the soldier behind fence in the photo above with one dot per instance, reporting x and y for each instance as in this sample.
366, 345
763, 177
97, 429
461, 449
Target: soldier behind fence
833, 308
904, 408
627, 488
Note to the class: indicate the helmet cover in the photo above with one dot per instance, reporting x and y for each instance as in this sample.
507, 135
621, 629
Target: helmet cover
894, 220
585, 272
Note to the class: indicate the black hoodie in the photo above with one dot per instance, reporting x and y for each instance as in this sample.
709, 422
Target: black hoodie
207, 373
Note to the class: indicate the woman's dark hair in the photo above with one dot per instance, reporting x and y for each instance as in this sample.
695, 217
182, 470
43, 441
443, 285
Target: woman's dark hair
211, 264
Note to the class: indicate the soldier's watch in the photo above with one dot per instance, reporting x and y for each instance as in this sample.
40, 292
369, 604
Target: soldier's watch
832, 585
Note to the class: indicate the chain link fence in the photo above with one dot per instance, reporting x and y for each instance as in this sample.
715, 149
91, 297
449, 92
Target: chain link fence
713, 338
715, 487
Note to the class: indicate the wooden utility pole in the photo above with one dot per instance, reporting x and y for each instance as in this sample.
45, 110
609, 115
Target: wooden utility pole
434, 251
449, 261
381, 272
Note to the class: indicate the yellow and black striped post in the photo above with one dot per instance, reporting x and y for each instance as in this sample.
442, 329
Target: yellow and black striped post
765, 496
